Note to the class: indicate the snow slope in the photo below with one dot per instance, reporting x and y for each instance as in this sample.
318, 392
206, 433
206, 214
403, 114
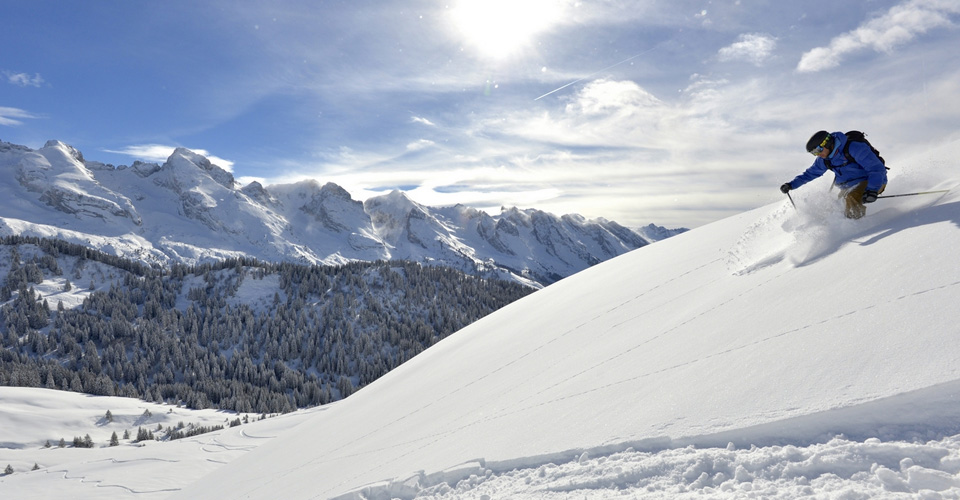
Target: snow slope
31, 418
779, 353
772, 326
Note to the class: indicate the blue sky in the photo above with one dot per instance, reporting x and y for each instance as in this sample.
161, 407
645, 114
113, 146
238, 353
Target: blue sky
675, 112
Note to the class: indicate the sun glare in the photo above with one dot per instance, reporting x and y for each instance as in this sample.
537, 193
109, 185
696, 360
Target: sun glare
499, 28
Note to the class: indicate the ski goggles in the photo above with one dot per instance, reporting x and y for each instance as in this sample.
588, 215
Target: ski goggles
819, 149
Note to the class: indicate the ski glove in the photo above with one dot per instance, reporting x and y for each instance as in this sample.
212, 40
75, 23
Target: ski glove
869, 197
786, 187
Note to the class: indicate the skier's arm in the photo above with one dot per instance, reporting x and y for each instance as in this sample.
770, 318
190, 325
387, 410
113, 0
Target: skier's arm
811, 173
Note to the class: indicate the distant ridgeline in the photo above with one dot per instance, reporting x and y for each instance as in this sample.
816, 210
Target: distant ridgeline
240, 335
190, 211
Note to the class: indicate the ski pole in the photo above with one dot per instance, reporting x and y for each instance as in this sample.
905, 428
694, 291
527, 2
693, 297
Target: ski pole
791, 200
913, 194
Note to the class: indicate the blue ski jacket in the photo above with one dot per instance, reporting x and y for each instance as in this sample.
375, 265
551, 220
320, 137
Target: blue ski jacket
864, 167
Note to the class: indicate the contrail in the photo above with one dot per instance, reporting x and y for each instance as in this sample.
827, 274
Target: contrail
595, 72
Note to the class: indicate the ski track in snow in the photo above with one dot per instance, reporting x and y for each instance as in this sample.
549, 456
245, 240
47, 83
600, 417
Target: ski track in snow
839, 468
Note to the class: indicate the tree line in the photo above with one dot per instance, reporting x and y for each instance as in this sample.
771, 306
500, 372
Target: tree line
239, 334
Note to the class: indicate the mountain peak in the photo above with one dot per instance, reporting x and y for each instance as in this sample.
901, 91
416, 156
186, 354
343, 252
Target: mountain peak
183, 158
70, 151
59, 176
256, 191
331, 189
396, 202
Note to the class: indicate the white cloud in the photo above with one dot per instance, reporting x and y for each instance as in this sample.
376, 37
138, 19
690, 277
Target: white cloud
754, 48
603, 97
901, 24
602, 114
419, 144
424, 121
23, 79
147, 152
11, 117
159, 153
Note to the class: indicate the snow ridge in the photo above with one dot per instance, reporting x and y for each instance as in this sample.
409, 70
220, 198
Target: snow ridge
189, 211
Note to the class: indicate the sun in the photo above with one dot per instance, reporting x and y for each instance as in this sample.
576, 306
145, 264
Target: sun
499, 28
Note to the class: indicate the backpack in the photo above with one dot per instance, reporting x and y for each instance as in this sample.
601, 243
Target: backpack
858, 136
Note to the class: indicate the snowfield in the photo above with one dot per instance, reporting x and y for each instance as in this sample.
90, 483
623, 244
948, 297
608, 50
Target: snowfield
34, 421
781, 353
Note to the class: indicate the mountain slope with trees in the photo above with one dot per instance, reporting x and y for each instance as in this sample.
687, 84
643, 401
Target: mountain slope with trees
241, 334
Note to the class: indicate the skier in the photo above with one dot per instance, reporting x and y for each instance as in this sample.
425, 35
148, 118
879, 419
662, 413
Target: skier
859, 171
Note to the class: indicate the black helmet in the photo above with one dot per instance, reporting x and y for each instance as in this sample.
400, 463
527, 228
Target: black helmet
821, 139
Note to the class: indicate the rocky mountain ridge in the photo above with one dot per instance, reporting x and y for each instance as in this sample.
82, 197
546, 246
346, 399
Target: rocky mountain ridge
188, 210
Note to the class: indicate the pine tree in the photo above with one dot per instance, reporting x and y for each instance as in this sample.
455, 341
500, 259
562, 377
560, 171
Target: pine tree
144, 435
108, 417
8, 470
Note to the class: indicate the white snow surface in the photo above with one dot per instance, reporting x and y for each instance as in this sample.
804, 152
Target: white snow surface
33, 418
780, 353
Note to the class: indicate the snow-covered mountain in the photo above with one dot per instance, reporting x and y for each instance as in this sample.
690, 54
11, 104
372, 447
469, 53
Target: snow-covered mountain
189, 211
652, 232
780, 353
